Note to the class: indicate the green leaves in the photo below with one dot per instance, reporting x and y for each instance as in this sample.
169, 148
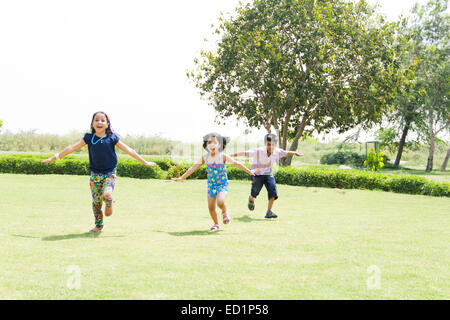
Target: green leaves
374, 160
309, 65
425, 102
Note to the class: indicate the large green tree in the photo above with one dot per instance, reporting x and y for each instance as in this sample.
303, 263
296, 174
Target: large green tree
423, 105
298, 66
436, 109
431, 27
406, 116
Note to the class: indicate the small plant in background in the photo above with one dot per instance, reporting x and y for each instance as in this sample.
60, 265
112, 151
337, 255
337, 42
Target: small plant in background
176, 170
374, 160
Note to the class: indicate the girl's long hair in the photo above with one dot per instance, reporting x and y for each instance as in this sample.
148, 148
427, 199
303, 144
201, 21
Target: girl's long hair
109, 131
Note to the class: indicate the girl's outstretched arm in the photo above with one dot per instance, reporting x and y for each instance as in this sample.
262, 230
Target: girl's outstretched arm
239, 165
191, 170
130, 151
80, 144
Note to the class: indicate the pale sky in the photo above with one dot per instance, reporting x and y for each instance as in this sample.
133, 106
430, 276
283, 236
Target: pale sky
60, 61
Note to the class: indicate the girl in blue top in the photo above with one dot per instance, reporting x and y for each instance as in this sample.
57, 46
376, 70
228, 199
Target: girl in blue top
215, 160
101, 143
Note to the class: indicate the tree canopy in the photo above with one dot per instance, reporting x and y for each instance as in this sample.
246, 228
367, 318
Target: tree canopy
299, 66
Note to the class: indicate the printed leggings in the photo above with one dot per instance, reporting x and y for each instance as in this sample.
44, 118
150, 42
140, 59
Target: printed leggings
102, 187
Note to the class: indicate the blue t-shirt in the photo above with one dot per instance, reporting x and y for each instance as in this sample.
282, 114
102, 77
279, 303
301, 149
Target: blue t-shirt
102, 154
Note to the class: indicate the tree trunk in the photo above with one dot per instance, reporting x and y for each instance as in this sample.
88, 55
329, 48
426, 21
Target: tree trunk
286, 161
430, 154
402, 143
429, 167
444, 164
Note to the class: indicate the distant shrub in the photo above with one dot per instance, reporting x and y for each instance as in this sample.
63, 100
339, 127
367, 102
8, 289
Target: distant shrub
343, 157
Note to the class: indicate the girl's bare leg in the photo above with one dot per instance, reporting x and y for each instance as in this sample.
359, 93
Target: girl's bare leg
221, 202
212, 209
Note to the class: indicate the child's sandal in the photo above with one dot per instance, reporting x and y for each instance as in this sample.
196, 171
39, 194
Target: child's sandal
214, 228
96, 229
251, 203
226, 217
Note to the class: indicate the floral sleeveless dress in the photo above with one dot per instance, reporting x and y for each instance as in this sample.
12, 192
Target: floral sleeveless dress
217, 177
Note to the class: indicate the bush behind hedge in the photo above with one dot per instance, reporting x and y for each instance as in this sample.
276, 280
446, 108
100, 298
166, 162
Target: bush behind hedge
343, 157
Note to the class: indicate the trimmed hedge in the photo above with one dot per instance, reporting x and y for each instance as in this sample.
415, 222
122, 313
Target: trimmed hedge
343, 179
133, 169
346, 179
164, 164
31, 164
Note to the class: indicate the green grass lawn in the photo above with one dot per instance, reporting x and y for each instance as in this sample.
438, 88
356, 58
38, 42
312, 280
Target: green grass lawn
157, 245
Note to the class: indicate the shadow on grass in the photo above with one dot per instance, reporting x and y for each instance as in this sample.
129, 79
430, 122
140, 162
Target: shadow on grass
192, 233
71, 236
76, 236
22, 236
247, 218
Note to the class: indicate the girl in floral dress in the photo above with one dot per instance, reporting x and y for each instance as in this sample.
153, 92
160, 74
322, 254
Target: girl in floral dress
215, 161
